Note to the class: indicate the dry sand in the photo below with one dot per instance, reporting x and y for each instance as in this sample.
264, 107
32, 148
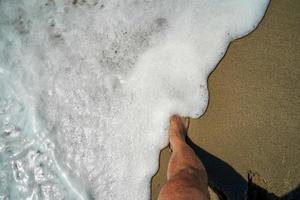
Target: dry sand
253, 118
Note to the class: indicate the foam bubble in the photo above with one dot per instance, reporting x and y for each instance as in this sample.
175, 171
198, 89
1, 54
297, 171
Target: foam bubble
87, 88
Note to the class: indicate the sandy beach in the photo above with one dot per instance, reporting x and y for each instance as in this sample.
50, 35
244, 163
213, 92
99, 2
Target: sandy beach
252, 122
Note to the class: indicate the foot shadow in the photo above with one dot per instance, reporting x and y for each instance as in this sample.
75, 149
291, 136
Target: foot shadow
229, 184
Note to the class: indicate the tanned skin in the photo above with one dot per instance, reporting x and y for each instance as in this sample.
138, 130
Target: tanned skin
186, 175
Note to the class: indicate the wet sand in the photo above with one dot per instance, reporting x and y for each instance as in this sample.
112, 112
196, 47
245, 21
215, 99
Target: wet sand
253, 118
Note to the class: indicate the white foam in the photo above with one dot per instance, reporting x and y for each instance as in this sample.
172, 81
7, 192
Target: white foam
87, 88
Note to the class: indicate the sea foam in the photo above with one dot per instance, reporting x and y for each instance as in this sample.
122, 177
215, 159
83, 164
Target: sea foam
87, 88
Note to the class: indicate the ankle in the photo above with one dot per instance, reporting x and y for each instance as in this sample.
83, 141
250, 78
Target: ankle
177, 143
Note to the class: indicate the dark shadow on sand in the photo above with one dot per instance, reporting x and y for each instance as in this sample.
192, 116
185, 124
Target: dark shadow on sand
229, 184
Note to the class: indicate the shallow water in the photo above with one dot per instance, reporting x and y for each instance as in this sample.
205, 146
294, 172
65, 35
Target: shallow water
87, 88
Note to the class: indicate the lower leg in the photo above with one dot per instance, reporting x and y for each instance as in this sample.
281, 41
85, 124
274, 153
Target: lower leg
187, 178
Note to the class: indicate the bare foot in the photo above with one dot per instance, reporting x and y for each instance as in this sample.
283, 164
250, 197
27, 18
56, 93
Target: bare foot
178, 129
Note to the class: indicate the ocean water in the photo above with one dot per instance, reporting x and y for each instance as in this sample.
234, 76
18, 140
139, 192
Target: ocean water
87, 88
